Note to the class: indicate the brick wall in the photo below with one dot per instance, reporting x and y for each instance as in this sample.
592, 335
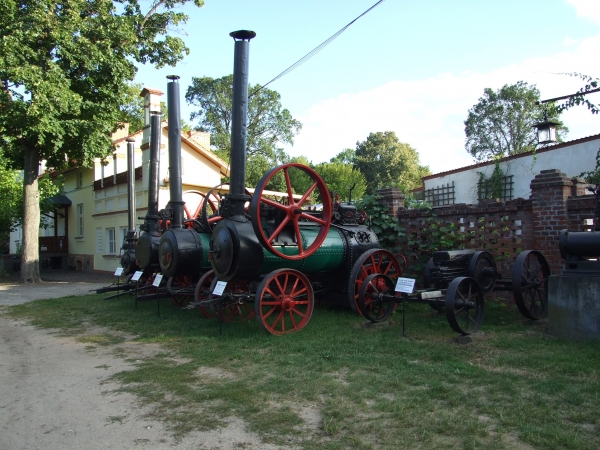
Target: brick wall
505, 228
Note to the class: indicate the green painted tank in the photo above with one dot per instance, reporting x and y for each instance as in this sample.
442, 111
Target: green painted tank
328, 257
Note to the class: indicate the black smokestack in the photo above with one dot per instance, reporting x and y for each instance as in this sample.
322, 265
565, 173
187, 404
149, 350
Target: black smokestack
131, 234
152, 215
175, 183
239, 120
128, 257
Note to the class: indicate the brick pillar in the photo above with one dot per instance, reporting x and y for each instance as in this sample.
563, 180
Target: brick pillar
579, 187
393, 198
549, 193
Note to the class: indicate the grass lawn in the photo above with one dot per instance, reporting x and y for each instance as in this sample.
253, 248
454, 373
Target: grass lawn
339, 384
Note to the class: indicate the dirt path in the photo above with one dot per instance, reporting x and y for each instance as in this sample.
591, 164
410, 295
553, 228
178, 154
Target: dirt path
54, 393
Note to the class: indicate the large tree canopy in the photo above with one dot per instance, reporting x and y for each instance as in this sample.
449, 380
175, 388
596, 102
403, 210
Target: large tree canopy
385, 161
65, 68
269, 125
341, 178
502, 122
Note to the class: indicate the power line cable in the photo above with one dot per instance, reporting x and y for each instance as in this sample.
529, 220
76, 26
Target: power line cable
314, 51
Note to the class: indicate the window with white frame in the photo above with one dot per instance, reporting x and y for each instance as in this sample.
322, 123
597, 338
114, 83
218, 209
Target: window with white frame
111, 245
80, 220
80, 179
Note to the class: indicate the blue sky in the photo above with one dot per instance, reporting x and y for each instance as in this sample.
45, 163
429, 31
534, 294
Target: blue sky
412, 67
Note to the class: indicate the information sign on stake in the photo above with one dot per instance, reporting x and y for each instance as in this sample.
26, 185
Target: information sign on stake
136, 276
405, 285
157, 279
119, 271
219, 288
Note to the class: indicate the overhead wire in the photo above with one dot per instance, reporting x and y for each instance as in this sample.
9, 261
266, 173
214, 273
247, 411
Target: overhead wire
314, 51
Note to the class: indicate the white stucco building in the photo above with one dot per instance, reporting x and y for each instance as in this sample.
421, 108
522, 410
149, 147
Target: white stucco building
463, 185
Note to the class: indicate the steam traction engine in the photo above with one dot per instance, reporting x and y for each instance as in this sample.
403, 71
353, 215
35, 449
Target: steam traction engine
277, 253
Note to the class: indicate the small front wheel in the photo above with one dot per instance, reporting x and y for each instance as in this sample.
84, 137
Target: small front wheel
284, 301
376, 298
464, 305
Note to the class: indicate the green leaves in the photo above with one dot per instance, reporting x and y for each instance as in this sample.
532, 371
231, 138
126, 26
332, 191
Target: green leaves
385, 161
340, 178
269, 125
386, 227
501, 123
65, 69
592, 84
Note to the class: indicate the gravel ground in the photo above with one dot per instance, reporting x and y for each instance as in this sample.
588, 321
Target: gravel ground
58, 283
54, 393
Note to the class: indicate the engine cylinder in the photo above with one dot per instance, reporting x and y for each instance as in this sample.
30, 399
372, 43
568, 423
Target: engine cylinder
146, 250
579, 245
235, 250
182, 252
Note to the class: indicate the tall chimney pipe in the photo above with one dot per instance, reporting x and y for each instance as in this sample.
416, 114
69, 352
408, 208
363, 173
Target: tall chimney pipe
175, 183
128, 260
131, 233
239, 121
155, 132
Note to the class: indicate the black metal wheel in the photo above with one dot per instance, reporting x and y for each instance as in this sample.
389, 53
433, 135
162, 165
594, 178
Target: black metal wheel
464, 305
483, 270
376, 300
530, 284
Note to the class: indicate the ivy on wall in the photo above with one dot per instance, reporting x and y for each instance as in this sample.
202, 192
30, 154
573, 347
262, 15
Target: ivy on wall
386, 227
492, 187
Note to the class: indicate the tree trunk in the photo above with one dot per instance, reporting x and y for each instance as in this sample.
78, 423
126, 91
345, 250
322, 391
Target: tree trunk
30, 257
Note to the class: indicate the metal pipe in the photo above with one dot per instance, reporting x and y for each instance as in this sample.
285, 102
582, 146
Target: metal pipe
131, 233
239, 120
569, 96
175, 182
155, 132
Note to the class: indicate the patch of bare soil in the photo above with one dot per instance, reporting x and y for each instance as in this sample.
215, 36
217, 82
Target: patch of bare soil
55, 395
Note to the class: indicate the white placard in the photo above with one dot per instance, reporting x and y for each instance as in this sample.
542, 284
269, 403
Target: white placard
157, 280
405, 285
219, 288
136, 276
119, 271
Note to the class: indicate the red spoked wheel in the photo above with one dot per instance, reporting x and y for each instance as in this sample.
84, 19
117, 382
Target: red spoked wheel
195, 203
209, 216
181, 284
145, 284
285, 224
284, 301
402, 260
202, 293
372, 261
234, 305
376, 298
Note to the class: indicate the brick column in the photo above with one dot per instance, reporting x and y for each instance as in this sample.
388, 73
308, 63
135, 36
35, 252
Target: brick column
393, 198
549, 193
579, 187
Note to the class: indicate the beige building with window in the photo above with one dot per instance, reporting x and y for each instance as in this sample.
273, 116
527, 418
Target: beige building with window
90, 223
